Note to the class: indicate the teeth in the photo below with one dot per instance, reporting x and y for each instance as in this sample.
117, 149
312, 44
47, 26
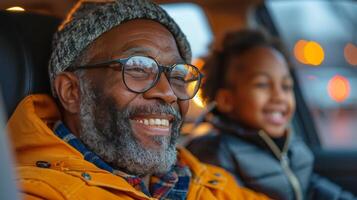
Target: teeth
158, 122
277, 115
165, 122
154, 122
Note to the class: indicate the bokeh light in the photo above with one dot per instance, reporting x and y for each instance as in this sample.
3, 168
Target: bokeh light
299, 51
198, 62
339, 88
309, 52
15, 9
350, 53
313, 53
198, 100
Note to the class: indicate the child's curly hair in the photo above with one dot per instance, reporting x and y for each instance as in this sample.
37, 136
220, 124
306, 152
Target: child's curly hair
234, 44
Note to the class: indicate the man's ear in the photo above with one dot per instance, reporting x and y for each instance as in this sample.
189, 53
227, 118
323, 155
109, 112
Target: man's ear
224, 101
68, 91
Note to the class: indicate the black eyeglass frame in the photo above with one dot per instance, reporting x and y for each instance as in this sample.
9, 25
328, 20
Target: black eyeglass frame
123, 61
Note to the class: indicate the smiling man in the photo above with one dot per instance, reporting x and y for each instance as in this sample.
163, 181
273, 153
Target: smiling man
121, 81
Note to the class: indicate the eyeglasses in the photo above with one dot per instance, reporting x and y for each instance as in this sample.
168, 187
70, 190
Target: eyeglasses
141, 73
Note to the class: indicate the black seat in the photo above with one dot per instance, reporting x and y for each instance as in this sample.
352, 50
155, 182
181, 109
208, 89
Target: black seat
25, 45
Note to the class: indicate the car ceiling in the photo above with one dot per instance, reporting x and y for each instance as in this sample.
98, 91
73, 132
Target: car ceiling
223, 15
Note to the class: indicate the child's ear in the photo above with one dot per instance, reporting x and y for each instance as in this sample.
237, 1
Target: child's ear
224, 101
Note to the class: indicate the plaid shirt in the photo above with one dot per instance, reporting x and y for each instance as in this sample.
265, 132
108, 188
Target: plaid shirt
171, 186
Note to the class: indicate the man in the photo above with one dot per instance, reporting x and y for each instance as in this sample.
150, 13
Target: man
121, 82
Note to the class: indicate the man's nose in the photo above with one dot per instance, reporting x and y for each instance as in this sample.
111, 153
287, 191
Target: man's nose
162, 90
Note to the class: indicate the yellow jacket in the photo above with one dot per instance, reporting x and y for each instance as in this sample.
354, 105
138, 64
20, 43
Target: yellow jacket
69, 176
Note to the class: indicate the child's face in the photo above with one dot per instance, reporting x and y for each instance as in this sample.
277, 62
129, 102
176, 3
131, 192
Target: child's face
262, 93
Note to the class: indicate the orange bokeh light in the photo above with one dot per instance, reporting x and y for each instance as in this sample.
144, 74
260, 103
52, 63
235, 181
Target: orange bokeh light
309, 52
350, 53
339, 88
198, 62
313, 53
299, 51
197, 99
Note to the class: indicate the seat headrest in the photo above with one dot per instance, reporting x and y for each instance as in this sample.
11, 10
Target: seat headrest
25, 47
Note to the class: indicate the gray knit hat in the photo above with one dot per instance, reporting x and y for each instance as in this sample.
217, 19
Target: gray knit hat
91, 18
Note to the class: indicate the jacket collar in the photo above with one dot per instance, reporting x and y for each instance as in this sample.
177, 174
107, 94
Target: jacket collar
31, 132
30, 129
255, 136
228, 125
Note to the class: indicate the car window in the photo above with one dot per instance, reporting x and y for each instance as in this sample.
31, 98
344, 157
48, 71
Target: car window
193, 22
322, 39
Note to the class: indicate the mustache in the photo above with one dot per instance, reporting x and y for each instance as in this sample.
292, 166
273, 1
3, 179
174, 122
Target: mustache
157, 108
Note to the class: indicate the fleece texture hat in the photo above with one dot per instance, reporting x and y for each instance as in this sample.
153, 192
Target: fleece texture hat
91, 18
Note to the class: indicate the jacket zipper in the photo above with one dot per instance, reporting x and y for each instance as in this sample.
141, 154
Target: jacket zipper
284, 162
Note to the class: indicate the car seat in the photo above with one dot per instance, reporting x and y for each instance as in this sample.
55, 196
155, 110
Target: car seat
25, 45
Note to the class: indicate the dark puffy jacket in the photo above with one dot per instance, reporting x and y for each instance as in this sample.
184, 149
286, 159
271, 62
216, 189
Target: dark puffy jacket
281, 169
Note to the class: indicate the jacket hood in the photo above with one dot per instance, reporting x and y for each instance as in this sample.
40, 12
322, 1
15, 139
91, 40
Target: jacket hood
30, 128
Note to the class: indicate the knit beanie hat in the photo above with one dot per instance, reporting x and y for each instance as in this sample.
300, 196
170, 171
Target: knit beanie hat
89, 19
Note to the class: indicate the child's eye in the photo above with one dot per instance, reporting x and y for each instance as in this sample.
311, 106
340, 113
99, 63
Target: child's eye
262, 85
288, 87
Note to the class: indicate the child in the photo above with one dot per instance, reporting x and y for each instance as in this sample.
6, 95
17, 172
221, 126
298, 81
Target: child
250, 82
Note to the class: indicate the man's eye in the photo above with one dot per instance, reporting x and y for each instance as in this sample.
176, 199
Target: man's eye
178, 81
179, 78
137, 72
136, 69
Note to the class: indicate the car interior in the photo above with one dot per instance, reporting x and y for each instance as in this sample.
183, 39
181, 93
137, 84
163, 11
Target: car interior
8, 189
326, 120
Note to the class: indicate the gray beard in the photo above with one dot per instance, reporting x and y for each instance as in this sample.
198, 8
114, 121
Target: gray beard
106, 130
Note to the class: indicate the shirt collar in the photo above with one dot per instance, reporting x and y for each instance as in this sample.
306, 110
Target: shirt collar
174, 183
